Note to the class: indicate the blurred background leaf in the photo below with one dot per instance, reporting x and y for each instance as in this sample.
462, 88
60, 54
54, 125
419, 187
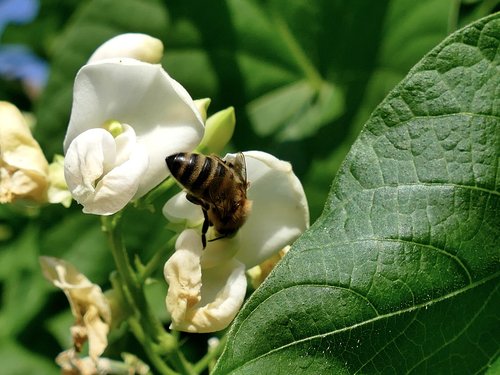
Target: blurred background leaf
303, 77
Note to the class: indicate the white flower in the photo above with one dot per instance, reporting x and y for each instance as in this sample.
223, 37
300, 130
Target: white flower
141, 47
23, 167
88, 304
127, 116
202, 300
207, 287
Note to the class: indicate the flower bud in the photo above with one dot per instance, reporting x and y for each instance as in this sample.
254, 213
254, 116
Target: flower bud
58, 189
202, 106
141, 47
219, 129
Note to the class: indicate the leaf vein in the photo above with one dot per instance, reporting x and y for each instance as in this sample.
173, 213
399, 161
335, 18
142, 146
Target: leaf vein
377, 318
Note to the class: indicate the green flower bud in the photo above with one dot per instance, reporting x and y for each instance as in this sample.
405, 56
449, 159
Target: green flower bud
219, 129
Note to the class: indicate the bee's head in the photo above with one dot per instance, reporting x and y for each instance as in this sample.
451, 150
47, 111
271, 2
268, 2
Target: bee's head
227, 224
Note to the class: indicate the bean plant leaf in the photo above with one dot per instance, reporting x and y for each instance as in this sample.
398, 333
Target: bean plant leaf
400, 274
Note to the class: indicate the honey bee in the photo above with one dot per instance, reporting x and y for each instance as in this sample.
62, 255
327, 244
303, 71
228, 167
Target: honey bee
218, 185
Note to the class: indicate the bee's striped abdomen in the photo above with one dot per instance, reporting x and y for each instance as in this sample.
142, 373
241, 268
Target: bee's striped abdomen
195, 172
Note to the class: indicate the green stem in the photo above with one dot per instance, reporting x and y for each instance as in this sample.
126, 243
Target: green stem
143, 322
211, 356
155, 359
138, 332
159, 190
111, 226
159, 257
181, 364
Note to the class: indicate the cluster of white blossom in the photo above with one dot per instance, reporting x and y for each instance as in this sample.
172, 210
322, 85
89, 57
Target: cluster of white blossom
128, 115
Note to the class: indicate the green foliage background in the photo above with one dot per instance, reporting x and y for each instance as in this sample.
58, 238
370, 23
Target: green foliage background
304, 76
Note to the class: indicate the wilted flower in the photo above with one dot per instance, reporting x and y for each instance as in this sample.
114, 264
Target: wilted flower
23, 167
72, 364
207, 287
89, 306
127, 116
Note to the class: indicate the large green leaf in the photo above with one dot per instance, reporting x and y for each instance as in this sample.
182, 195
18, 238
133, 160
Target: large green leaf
401, 272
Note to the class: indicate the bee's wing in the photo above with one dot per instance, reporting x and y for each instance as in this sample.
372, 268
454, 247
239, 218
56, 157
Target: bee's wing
238, 164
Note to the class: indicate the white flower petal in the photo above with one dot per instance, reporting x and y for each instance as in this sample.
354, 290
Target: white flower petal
279, 212
134, 45
183, 274
119, 186
93, 177
223, 292
202, 300
90, 155
219, 251
179, 210
125, 144
143, 96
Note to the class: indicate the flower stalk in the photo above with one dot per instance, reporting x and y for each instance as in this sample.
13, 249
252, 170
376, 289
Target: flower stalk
144, 324
208, 360
157, 260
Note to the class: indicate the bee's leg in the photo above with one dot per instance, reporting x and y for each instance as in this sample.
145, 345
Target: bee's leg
206, 222
194, 200
204, 228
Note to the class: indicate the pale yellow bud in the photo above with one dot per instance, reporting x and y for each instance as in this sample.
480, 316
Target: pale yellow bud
219, 129
58, 189
23, 167
202, 106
